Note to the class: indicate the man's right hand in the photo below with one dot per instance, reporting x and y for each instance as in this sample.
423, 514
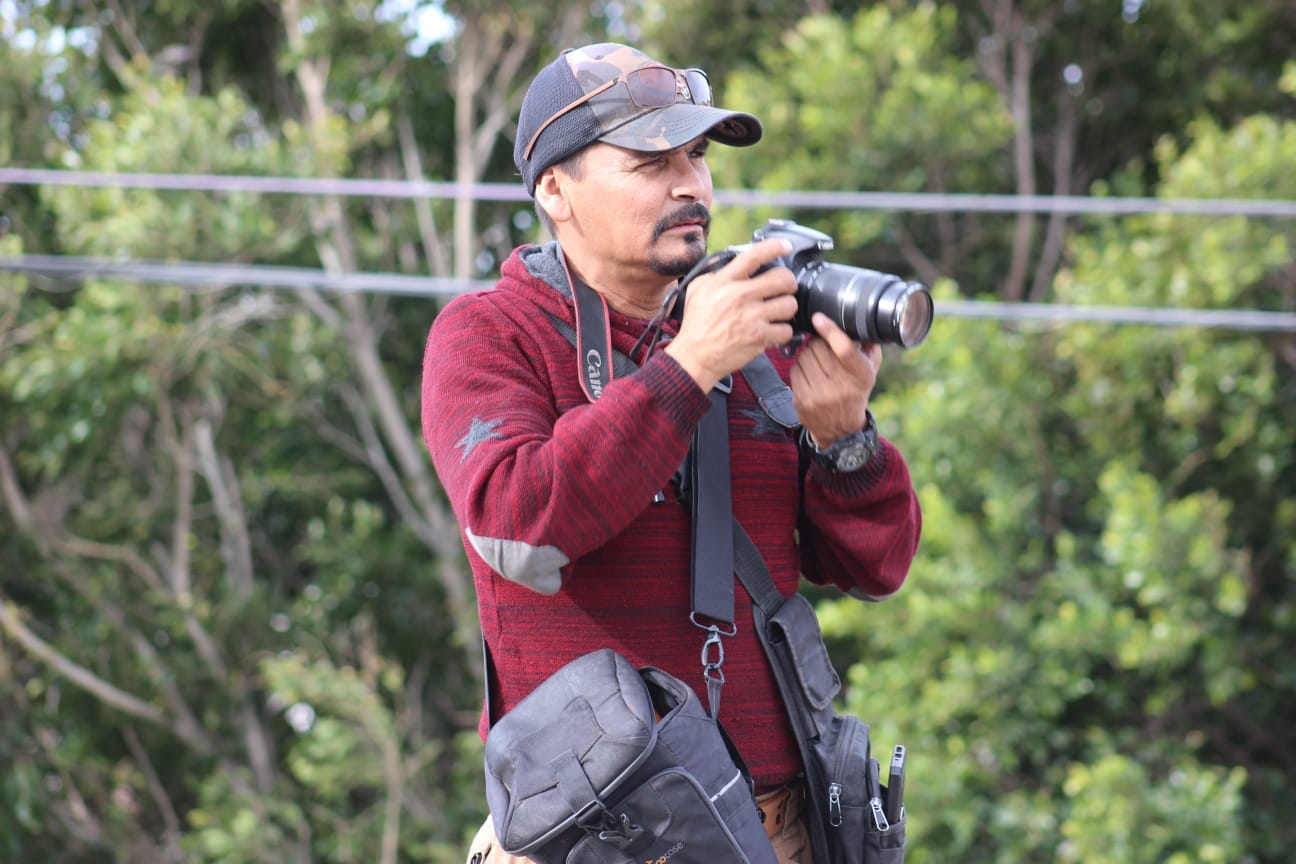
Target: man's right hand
732, 315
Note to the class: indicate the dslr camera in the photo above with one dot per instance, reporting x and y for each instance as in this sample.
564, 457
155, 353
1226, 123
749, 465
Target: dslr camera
869, 305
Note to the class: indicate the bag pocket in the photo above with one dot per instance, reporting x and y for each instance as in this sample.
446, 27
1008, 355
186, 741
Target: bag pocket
843, 760
853, 817
666, 818
593, 719
807, 657
885, 847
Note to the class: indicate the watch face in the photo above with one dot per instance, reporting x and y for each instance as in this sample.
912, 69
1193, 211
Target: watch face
853, 457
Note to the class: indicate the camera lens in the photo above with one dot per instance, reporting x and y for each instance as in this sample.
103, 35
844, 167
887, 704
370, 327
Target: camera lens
905, 311
870, 306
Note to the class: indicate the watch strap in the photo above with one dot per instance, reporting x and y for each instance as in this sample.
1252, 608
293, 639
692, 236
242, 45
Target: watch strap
847, 454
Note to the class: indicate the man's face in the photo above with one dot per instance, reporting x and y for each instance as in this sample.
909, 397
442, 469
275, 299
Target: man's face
643, 211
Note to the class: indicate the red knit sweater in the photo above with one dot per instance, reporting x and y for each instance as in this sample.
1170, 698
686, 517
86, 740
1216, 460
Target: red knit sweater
554, 497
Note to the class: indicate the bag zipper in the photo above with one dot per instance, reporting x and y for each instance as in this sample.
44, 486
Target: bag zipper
835, 818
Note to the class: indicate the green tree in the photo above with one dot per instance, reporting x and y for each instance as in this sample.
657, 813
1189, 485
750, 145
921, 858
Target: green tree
918, 121
1095, 629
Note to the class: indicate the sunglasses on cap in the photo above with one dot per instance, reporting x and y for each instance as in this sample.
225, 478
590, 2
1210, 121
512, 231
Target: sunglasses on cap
649, 87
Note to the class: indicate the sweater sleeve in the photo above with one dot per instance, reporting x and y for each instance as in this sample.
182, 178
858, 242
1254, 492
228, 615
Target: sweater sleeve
535, 489
860, 530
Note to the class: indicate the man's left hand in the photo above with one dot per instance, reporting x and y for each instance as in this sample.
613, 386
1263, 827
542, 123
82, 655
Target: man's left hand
832, 380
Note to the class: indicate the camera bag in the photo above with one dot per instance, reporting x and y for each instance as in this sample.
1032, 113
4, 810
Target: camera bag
604, 764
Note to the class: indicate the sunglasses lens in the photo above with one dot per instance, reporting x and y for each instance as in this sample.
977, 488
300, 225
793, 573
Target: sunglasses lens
652, 87
699, 86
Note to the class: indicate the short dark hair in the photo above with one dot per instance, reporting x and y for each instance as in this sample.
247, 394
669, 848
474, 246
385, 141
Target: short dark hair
574, 167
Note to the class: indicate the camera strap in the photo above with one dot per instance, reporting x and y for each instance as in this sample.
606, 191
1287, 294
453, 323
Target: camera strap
593, 336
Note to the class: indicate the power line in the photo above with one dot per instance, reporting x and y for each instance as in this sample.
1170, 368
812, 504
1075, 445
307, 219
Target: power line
217, 275
1222, 319
898, 201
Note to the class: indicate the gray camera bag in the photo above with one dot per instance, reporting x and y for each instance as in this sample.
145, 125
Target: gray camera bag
604, 763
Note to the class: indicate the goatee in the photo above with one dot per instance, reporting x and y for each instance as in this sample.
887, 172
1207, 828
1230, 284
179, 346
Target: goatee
677, 265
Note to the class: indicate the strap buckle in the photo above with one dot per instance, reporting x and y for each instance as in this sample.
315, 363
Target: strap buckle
713, 661
713, 656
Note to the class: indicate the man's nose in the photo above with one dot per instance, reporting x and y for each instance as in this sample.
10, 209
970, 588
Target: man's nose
692, 180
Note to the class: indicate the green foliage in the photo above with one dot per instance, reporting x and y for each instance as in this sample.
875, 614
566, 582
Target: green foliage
229, 825
877, 102
167, 130
1119, 812
1049, 682
108, 389
1077, 665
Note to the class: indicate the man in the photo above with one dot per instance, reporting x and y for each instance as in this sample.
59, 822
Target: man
562, 474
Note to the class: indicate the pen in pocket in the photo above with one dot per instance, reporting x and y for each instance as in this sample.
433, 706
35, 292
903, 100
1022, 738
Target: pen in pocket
895, 785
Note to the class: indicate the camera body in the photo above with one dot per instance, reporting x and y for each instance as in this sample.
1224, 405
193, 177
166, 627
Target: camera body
869, 305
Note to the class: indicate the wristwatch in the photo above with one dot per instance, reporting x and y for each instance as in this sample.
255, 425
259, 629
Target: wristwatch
846, 454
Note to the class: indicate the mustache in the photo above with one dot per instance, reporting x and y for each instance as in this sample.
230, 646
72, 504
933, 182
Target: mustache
695, 212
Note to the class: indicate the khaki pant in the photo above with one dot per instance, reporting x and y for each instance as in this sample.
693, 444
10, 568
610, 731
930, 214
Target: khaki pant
782, 811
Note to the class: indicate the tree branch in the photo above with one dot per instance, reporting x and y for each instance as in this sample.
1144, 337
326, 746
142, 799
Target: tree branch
236, 546
1023, 159
56, 538
413, 166
124, 27
183, 724
157, 791
336, 247
1063, 164
129, 558
14, 497
181, 526
927, 270
110, 695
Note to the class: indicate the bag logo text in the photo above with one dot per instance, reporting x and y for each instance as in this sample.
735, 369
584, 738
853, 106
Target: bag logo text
667, 855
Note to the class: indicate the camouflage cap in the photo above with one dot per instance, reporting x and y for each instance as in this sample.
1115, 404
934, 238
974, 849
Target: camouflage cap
611, 116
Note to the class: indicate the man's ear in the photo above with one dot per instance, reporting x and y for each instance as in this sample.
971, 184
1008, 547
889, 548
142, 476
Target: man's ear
551, 194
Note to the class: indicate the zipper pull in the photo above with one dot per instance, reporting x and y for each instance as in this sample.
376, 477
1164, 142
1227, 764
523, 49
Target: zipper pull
834, 805
879, 817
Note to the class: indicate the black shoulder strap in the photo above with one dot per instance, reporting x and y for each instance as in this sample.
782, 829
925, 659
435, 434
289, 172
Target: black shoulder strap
711, 576
752, 572
712, 502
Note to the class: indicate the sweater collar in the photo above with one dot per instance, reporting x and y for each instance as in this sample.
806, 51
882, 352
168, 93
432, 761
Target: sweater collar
544, 262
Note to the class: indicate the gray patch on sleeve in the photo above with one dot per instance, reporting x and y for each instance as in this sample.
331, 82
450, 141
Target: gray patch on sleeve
535, 567
871, 598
